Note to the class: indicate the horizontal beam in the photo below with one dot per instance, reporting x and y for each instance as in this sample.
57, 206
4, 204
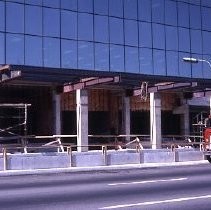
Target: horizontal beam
171, 86
90, 82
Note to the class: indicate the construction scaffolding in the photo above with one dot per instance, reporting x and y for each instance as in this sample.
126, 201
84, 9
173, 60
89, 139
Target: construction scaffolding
13, 122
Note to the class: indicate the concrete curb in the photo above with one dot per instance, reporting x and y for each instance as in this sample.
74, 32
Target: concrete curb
98, 168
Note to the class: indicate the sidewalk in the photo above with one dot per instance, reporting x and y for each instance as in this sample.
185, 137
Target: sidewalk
99, 168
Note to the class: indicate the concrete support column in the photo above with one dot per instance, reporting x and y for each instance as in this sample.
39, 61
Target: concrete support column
155, 120
56, 113
126, 117
82, 119
185, 124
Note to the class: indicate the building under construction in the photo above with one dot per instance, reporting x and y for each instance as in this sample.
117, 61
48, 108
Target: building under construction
104, 67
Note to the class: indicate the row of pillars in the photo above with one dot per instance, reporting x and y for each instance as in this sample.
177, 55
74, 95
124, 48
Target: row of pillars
82, 118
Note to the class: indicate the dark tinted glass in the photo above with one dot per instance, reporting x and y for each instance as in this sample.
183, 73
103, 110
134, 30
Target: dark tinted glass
33, 20
116, 31
130, 9
206, 17
144, 10
101, 7
146, 61
51, 25
183, 14
101, 29
15, 17
158, 36
33, 50
171, 38
101, 57
85, 6
51, 3
131, 32
2, 50
184, 39
196, 41
158, 11
51, 52
85, 26
172, 63
206, 42
145, 34
15, 49
117, 58
69, 24
131, 60
116, 8
34, 2
2, 16
159, 62
195, 17
206, 3
184, 67
67, 4
85, 55
171, 12
68, 54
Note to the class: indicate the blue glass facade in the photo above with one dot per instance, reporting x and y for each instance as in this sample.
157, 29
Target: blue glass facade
133, 36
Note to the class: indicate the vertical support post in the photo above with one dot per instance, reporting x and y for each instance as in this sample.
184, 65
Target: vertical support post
186, 120
126, 117
56, 113
69, 152
104, 153
4, 151
155, 120
82, 120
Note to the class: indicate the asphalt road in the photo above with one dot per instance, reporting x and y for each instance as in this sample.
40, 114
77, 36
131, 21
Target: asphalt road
161, 188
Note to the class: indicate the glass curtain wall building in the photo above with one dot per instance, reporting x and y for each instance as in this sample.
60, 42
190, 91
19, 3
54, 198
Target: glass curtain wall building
134, 36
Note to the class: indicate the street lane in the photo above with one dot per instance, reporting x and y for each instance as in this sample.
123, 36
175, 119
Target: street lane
181, 187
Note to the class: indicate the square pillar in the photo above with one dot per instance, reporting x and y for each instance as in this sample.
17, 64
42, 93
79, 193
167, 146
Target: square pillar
82, 119
126, 117
56, 113
155, 120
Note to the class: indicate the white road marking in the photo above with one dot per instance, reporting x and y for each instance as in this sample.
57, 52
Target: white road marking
148, 181
157, 202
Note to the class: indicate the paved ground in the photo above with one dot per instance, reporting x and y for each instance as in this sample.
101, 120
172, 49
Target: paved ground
147, 188
99, 168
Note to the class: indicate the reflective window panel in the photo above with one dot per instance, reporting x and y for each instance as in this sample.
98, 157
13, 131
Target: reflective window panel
33, 50
117, 58
101, 7
116, 8
101, 29
85, 6
158, 36
130, 9
159, 62
184, 67
131, 32
145, 34
33, 20
85, 55
184, 39
146, 61
196, 41
51, 52
14, 17
68, 24
183, 14
2, 48
14, 49
206, 17
69, 54
70, 5
116, 31
52, 3
144, 10
172, 63
101, 57
51, 22
131, 60
171, 38
195, 17
171, 12
158, 11
85, 26
2, 16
